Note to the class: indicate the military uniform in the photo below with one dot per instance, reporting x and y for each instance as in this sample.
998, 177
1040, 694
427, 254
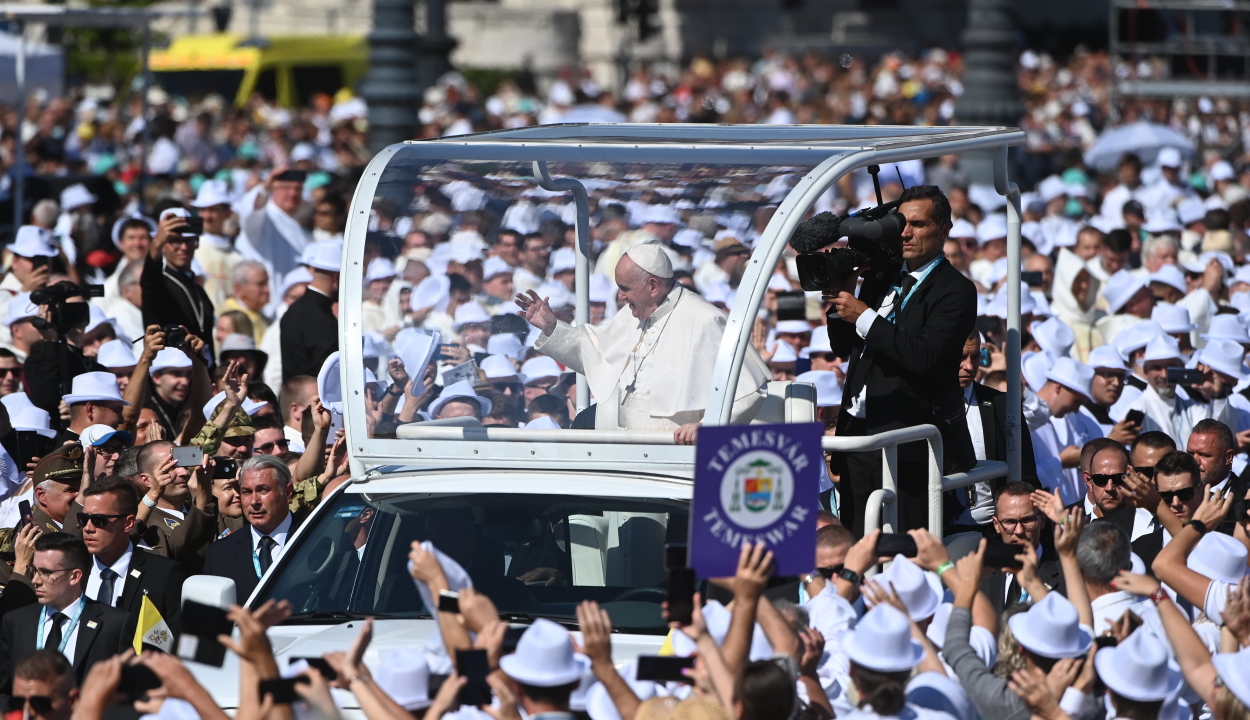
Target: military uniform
64, 466
181, 539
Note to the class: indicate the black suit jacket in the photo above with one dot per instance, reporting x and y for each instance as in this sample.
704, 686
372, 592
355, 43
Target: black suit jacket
161, 580
100, 636
310, 333
1238, 487
994, 582
231, 557
911, 366
1148, 546
171, 298
993, 407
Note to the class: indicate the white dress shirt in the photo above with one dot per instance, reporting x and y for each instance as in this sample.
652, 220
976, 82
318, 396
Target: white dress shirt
45, 626
983, 508
121, 567
279, 535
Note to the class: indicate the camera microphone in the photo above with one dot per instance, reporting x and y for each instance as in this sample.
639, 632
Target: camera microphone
816, 232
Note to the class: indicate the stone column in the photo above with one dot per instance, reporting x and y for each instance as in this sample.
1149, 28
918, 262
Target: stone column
991, 95
391, 88
434, 49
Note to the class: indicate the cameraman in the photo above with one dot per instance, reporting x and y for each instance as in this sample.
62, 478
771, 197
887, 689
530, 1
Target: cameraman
171, 296
52, 365
904, 335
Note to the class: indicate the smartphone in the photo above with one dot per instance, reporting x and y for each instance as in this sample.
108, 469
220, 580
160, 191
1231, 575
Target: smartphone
31, 444
890, 544
41, 261
448, 602
1002, 555
336, 424
321, 665
664, 668
474, 666
1032, 278
681, 582
189, 456
137, 680
23, 512
282, 689
195, 226
1183, 376
1105, 641
1135, 416
985, 357
792, 305
225, 468
201, 624
675, 555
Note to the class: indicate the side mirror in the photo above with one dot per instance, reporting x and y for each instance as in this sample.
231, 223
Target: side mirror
210, 590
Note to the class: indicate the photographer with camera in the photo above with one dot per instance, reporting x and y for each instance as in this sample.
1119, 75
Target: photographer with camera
171, 296
904, 334
55, 361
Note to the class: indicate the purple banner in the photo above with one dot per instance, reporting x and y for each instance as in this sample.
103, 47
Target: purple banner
755, 483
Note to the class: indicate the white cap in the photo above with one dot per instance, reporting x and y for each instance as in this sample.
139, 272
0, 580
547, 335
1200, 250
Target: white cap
1169, 157
494, 266
1174, 319
1219, 557
1224, 356
506, 344
33, 241
170, 359
116, 354
95, 387
459, 391
404, 676
29, 418
380, 269
498, 366
603, 290
470, 312
1162, 347
463, 252
1106, 357
1054, 336
1234, 671
962, 229
212, 193
76, 195
1191, 210
238, 342
1052, 187
1221, 170
563, 260
303, 152
993, 227
1072, 374
299, 275
326, 255
828, 389
544, 657
20, 307
1163, 220
783, 352
819, 344
1227, 327
882, 641
537, 368
663, 214
97, 435
651, 258
1170, 275
1120, 288
920, 593
430, 292
793, 327
1137, 668
1051, 628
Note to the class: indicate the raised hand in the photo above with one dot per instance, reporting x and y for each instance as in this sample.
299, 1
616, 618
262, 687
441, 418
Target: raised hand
536, 310
1068, 531
1049, 504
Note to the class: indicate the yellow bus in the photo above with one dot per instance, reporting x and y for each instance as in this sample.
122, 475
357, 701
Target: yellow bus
287, 70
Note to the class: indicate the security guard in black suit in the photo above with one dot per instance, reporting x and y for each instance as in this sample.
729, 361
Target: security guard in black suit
310, 331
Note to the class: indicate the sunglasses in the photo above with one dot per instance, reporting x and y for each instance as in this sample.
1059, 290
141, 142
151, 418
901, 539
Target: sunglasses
10, 371
41, 704
1107, 373
269, 446
1145, 471
1102, 480
514, 388
1184, 494
100, 520
829, 572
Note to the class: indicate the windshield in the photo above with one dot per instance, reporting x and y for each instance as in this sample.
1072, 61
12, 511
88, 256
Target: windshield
534, 555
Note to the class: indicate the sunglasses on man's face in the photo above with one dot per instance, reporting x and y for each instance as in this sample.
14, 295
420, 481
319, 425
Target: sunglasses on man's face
100, 520
829, 572
5, 372
269, 446
1184, 494
1102, 480
40, 704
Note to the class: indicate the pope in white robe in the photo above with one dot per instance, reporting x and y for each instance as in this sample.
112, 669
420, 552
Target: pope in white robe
650, 368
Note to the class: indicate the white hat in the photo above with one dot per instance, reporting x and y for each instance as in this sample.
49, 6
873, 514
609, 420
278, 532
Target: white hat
543, 422
793, 327
116, 354
326, 255
1171, 276
779, 283
1224, 356
498, 367
96, 387
299, 275
1190, 210
76, 195
33, 241
1072, 374
14, 402
430, 292
651, 258
998, 305
404, 675
495, 266
1034, 366
1162, 347
21, 307
506, 344
537, 368
962, 229
828, 389
303, 152
96, 318
97, 435
820, 343
463, 252
1227, 327
664, 214
882, 641
1169, 157
1174, 319
920, 593
1051, 628
170, 359
1137, 668
238, 342
1221, 170
563, 260
117, 227
1107, 357
603, 290
1054, 336
212, 193
992, 227
470, 312
29, 418
459, 391
1120, 288
1135, 337
1163, 220
1052, 187
380, 269
544, 657
783, 352
1234, 671
1219, 557
250, 406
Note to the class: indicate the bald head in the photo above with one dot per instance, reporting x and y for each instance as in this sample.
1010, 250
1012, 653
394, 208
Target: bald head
643, 291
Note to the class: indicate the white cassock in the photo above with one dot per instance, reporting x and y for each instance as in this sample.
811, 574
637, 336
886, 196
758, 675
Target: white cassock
274, 239
1175, 417
1049, 440
655, 374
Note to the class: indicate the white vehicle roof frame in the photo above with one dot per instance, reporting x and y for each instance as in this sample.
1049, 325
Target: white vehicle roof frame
835, 150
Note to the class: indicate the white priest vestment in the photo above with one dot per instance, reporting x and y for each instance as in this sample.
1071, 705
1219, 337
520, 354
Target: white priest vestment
655, 374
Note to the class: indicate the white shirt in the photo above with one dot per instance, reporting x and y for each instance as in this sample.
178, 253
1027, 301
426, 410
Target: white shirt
983, 507
1008, 601
121, 567
279, 536
1109, 608
45, 626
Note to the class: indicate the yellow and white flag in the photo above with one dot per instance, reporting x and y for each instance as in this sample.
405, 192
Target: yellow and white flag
152, 629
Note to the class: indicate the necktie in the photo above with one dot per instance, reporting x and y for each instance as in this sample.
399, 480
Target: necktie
107, 578
909, 282
1014, 592
54, 635
266, 553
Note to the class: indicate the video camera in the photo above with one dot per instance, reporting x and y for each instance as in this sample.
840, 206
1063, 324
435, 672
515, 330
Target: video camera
64, 315
874, 239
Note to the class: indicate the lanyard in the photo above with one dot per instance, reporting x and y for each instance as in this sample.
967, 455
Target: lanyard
256, 555
69, 631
